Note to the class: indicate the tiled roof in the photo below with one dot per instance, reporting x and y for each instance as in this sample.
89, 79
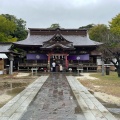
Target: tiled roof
3, 56
77, 40
4, 48
34, 40
80, 40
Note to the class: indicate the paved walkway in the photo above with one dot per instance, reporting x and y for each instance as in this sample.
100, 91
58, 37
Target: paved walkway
53, 99
15, 108
91, 107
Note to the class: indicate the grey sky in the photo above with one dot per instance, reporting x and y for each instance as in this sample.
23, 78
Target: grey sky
68, 13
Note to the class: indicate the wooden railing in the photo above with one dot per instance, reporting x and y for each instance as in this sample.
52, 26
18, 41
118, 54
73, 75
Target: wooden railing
84, 66
75, 66
31, 65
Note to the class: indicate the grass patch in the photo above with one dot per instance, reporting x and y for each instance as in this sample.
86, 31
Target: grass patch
112, 76
109, 84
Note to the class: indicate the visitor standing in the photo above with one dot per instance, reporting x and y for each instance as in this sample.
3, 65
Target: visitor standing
61, 67
53, 66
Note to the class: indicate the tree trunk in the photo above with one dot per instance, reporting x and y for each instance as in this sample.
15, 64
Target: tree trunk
118, 71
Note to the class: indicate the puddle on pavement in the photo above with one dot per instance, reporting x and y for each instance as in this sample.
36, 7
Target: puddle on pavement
78, 110
12, 89
112, 108
12, 92
13, 85
15, 91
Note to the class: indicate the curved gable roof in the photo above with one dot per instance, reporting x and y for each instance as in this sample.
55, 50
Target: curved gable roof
34, 40
75, 38
81, 40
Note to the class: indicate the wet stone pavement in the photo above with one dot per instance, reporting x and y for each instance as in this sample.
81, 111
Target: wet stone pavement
54, 101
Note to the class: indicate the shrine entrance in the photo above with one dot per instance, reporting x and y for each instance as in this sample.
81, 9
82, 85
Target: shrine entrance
59, 59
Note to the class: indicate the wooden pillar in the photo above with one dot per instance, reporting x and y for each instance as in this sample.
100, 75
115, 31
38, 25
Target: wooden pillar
48, 66
48, 58
1, 64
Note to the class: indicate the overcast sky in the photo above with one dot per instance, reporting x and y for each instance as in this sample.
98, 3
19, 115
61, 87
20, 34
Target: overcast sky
68, 13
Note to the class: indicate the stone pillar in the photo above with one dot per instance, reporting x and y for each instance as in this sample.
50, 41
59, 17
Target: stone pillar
11, 58
103, 67
66, 61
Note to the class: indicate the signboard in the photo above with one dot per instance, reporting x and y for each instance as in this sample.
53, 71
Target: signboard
78, 57
37, 57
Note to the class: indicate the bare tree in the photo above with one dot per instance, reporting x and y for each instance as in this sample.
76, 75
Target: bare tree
110, 49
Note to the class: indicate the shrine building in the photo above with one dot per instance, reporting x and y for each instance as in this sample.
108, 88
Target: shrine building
70, 48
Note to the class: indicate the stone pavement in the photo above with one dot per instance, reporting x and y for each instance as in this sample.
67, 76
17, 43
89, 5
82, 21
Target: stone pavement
53, 99
91, 107
15, 108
